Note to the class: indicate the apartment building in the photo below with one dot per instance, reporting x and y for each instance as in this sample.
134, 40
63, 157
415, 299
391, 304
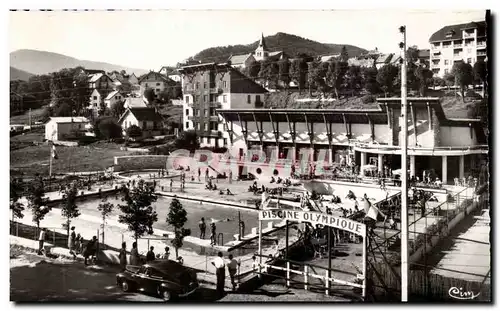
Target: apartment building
209, 87
454, 43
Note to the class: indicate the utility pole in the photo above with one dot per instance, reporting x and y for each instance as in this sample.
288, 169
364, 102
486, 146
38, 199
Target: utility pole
404, 176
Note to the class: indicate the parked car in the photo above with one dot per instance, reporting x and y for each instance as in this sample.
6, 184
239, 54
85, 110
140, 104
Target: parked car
166, 278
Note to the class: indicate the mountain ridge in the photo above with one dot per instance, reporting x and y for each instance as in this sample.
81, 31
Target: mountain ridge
289, 43
18, 74
44, 62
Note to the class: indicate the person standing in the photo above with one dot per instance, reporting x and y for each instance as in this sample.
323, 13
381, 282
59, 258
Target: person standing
72, 242
242, 228
41, 241
122, 256
213, 234
232, 266
203, 227
150, 256
134, 255
167, 253
220, 272
171, 184
90, 249
199, 174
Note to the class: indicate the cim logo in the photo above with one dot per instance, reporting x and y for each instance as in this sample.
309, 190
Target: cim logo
458, 293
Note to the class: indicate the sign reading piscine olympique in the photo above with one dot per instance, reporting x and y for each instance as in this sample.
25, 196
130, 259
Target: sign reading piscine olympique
315, 218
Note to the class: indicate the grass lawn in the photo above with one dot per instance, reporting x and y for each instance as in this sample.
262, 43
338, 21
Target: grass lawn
30, 159
36, 115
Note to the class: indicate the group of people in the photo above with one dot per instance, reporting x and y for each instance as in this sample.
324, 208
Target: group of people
213, 231
220, 271
135, 257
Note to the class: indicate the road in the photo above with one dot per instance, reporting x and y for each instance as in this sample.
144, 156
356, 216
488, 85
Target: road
35, 278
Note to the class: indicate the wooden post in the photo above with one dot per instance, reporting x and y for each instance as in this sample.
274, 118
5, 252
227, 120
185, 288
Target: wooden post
329, 272
287, 274
306, 279
364, 265
260, 247
327, 283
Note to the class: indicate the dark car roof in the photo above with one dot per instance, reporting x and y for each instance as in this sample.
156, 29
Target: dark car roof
166, 266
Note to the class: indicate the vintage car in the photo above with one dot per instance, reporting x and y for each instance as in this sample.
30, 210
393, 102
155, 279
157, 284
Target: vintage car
166, 278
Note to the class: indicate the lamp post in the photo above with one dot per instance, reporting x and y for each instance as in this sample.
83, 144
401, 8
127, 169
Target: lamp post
404, 176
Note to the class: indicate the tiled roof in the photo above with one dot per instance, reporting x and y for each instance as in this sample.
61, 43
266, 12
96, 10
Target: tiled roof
134, 102
239, 59
146, 114
94, 77
456, 31
384, 58
157, 77
110, 95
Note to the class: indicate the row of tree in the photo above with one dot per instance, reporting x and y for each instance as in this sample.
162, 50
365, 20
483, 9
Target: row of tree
337, 77
137, 211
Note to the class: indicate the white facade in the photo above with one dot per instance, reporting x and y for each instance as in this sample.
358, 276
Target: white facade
62, 128
113, 98
469, 48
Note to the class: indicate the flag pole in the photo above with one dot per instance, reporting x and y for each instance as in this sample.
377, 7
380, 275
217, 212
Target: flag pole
50, 158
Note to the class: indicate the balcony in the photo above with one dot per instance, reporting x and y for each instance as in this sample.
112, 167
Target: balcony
436, 47
215, 90
214, 118
192, 118
481, 45
481, 53
468, 35
215, 105
457, 56
458, 46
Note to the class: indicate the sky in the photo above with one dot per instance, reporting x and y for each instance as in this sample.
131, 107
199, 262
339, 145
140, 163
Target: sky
151, 39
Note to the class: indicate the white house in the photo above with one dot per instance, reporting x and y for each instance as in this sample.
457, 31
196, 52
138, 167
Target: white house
155, 81
147, 119
100, 81
62, 128
135, 102
113, 98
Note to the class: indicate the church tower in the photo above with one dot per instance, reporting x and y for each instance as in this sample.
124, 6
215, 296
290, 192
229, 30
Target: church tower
261, 52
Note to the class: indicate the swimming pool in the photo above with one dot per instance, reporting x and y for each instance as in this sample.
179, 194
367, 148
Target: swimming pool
225, 218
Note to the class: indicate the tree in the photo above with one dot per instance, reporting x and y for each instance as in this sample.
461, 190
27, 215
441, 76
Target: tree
254, 69
335, 75
298, 71
105, 208
37, 201
449, 80
125, 87
149, 94
134, 131
187, 140
69, 209
354, 78
386, 77
64, 110
312, 75
284, 72
16, 190
437, 81
370, 80
138, 214
177, 217
344, 56
481, 73
117, 109
109, 129
464, 76
424, 78
412, 54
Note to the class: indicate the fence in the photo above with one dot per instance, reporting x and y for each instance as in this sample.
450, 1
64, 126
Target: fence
272, 267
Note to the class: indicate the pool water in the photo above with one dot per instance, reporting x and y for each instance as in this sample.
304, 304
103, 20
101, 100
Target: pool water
226, 218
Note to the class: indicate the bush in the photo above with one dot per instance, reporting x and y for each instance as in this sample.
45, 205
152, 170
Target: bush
367, 99
134, 131
108, 129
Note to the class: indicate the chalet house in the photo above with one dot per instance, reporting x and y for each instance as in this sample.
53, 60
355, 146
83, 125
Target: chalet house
65, 128
242, 61
155, 81
147, 119
100, 81
113, 98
